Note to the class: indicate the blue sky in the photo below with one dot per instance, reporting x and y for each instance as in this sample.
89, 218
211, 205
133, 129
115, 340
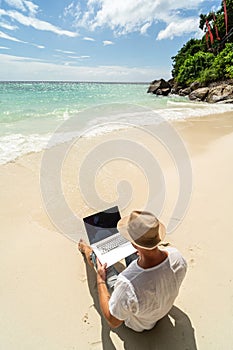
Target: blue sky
95, 40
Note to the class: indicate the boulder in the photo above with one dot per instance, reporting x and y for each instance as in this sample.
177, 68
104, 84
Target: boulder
220, 93
166, 91
217, 83
176, 88
195, 85
184, 92
199, 94
159, 92
161, 86
171, 82
163, 92
216, 92
226, 101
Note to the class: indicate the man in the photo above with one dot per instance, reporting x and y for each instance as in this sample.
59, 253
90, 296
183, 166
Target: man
146, 290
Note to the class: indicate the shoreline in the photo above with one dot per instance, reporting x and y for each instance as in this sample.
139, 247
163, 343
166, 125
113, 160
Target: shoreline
86, 133
70, 82
46, 302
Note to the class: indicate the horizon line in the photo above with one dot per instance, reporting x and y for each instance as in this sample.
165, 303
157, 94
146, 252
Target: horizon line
74, 81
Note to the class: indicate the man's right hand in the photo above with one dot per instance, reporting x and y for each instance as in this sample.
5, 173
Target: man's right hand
101, 272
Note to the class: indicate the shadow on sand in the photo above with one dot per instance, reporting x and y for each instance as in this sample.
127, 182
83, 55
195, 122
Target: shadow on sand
173, 332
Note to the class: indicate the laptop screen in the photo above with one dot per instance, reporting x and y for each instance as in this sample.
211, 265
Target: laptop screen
102, 225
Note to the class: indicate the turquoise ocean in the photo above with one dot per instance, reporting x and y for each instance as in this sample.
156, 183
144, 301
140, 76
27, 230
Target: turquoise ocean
30, 112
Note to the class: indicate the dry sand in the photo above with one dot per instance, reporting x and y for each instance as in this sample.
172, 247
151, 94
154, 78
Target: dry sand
47, 298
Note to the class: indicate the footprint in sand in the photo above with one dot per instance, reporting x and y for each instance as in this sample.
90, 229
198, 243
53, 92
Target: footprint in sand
193, 250
85, 318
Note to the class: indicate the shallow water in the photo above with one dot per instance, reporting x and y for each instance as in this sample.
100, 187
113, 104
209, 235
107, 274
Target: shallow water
30, 112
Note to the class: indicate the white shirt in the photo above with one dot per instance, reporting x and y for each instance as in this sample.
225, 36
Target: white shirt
143, 296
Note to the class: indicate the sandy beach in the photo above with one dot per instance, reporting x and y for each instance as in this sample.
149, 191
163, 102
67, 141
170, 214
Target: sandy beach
48, 300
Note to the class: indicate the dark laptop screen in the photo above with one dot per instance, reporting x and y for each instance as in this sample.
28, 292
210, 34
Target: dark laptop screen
102, 225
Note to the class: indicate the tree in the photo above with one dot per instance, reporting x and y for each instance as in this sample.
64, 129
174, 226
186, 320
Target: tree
223, 63
192, 67
219, 19
189, 49
221, 68
199, 59
229, 6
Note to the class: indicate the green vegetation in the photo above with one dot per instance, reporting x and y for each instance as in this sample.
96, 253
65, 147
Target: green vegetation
210, 58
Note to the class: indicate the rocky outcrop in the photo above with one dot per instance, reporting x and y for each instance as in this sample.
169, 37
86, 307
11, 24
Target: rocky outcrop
159, 87
220, 93
217, 92
199, 94
185, 92
195, 85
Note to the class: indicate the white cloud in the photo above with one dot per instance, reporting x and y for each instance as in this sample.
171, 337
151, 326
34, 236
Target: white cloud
19, 4
72, 10
62, 51
7, 26
215, 8
36, 23
107, 42
87, 38
8, 37
3, 12
33, 8
39, 46
24, 5
14, 68
79, 57
4, 48
179, 28
126, 16
145, 27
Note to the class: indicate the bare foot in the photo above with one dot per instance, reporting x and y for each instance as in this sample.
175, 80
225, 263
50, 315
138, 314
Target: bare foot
86, 250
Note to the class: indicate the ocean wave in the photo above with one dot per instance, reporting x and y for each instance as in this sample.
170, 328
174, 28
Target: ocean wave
18, 144
178, 110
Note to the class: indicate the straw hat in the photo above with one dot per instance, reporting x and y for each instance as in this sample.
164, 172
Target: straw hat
142, 228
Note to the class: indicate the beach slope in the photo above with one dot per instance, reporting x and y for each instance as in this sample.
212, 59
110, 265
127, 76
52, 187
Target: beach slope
48, 297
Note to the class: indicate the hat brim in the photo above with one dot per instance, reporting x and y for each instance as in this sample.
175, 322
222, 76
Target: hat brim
122, 228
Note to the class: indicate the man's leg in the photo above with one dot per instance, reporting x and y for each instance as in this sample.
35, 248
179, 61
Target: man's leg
86, 250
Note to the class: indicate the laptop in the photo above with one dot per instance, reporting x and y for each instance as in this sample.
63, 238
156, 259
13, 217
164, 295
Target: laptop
107, 243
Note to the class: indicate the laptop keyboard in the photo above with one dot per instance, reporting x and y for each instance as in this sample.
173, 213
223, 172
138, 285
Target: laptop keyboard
111, 244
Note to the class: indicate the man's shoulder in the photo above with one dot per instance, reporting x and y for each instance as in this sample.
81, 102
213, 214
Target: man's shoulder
172, 250
130, 272
175, 257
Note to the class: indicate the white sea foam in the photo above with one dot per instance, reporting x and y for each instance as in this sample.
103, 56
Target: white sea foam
15, 144
182, 110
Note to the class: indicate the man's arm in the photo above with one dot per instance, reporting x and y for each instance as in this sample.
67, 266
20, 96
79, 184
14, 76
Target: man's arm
104, 296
